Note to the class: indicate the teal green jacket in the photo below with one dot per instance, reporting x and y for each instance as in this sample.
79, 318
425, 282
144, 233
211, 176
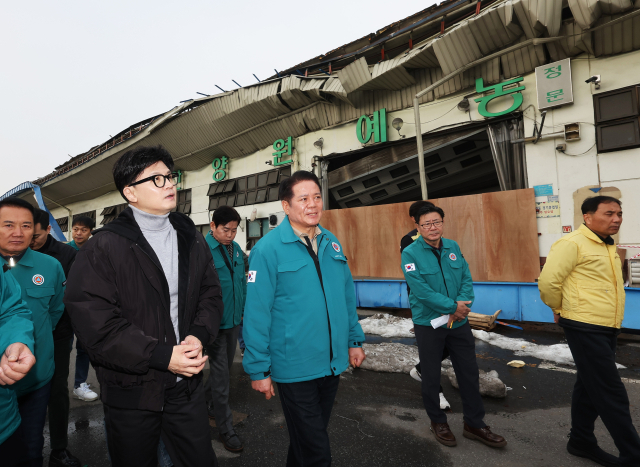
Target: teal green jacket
72, 243
15, 326
293, 330
42, 282
436, 286
234, 286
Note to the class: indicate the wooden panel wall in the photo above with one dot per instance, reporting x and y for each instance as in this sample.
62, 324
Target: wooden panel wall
497, 233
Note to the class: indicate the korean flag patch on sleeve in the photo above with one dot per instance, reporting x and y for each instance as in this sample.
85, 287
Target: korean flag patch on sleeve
409, 267
251, 277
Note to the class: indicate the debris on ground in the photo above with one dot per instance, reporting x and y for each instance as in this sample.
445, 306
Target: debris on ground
483, 322
490, 384
516, 363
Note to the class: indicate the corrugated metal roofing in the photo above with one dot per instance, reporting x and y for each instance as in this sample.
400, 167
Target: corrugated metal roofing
248, 119
588, 12
539, 16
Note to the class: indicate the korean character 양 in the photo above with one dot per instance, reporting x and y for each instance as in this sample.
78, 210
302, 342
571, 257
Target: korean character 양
555, 96
282, 147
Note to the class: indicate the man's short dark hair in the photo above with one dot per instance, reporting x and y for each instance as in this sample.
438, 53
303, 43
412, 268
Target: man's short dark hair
132, 163
16, 202
413, 209
286, 186
41, 217
427, 209
590, 205
225, 214
84, 221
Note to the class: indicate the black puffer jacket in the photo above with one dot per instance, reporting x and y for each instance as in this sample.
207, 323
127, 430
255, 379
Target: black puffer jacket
118, 299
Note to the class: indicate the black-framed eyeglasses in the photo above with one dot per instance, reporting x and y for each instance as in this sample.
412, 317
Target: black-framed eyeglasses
427, 225
159, 180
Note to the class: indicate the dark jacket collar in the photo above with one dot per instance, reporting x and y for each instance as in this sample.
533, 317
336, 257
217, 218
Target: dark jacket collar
126, 226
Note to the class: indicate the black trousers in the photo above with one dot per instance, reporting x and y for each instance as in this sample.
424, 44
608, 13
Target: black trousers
599, 391
445, 355
462, 348
307, 407
59, 397
133, 435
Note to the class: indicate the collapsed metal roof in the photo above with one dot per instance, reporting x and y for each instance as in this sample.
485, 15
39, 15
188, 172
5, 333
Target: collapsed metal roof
386, 69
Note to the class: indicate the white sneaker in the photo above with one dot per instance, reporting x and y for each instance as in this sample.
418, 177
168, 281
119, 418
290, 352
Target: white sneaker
84, 393
415, 375
444, 403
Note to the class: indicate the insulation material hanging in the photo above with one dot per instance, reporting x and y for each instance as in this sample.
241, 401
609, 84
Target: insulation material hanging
574, 42
495, 28
522, 61
389, 74
456, 48
292, 94
539, 16
587, 12
422, 56
355, 75
618, 38
333, 87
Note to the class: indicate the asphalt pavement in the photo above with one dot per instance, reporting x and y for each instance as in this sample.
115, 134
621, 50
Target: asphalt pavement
379, 419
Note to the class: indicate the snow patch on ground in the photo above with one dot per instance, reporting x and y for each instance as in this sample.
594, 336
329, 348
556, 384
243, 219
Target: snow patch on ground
386, 325
390, 357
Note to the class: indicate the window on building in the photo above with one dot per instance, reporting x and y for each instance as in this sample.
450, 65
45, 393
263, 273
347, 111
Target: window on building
617, 116
184, 201
91, 214
256, 230
111, 212
203, 229
248, 190
63, 223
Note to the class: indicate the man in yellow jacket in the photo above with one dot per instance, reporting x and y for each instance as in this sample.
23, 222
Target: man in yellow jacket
582, 283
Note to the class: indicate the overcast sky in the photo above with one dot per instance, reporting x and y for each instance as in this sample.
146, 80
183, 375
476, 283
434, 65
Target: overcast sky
74, 72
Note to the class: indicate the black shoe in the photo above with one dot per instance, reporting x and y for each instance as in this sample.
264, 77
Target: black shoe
231, 441
63, 458
592, 452
211, 413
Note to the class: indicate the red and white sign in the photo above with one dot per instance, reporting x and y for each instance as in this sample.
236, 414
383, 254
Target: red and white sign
566, 229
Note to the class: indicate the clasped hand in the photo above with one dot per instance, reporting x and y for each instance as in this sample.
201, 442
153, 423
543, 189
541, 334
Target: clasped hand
461, 311
187, 359
15, 363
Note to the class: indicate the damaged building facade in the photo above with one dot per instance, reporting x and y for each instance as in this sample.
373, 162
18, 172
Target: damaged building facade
512, 95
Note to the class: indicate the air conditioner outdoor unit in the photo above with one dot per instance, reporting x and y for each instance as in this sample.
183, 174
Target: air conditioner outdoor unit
275, 219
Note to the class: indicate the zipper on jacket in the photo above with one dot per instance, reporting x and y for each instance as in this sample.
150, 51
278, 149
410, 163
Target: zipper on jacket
437, 253
316, 261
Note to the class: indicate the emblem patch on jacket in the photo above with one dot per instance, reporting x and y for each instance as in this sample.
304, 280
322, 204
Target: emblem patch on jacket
251, 277
410, 267
453, 257
335, 246
38, 279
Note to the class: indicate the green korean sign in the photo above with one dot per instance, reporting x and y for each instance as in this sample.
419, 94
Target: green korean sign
375, 126
282, 147
219, 165
499, 91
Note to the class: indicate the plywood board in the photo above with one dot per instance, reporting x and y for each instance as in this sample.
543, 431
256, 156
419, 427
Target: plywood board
497, 234
511, 236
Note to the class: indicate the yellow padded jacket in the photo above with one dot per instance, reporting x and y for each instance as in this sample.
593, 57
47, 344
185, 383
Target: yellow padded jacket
582, 280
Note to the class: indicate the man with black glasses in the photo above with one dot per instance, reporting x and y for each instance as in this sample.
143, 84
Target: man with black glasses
144, 298
441, 293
